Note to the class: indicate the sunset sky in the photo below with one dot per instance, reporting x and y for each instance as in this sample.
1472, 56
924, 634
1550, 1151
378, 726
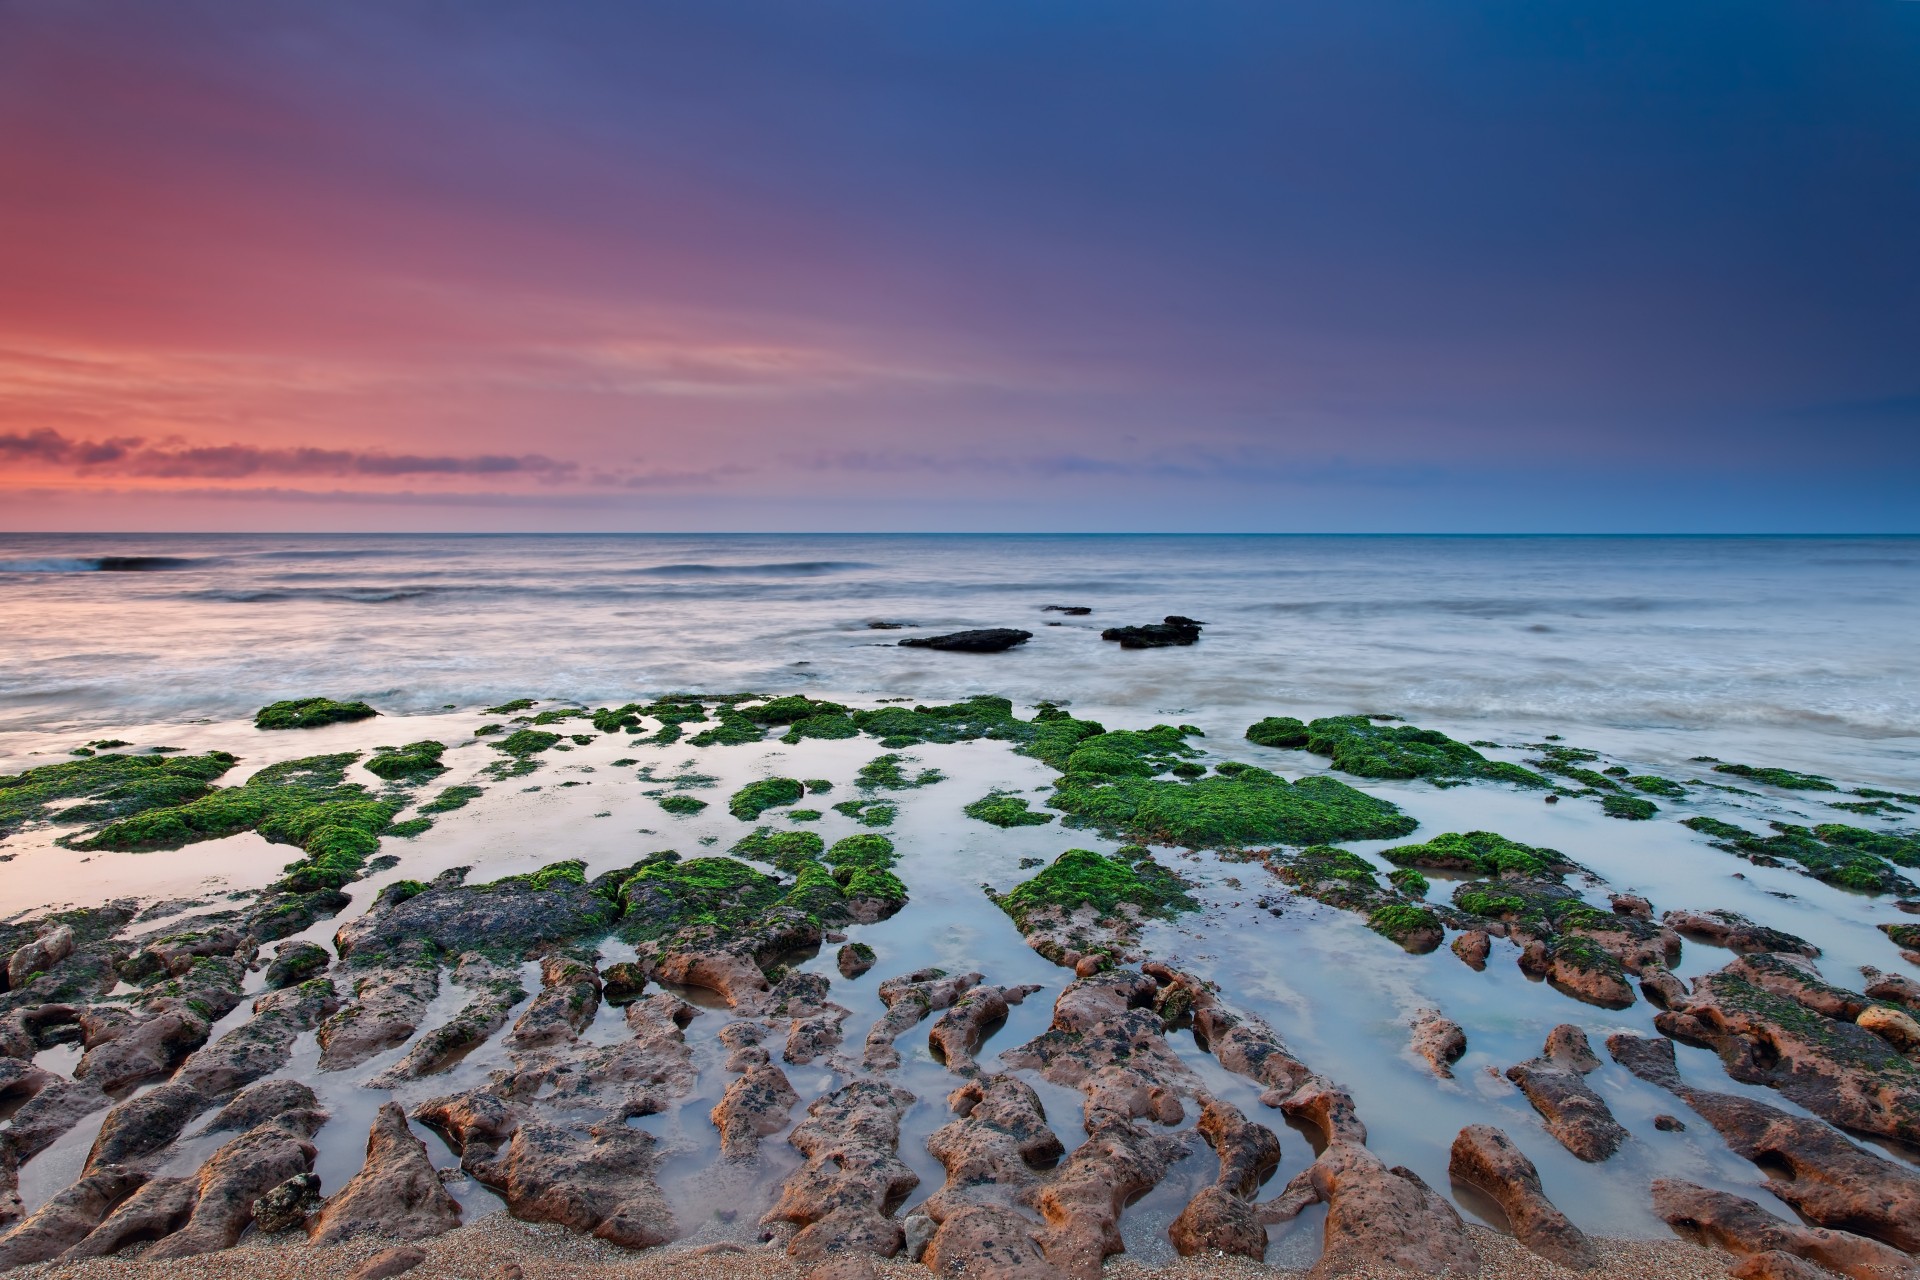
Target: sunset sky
960, 264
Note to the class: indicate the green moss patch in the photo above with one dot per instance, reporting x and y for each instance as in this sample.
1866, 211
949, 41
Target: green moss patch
1404, 923
1082, 878
1278, 731
455, 797
1005, 810
1654, 786
1632, 808
525, 742
1482, 853
754, 799
300, 802
884, 773
1851, 857
1786, 779
868, 813
1369, 749
731, 729
681, 805
515, 707
416, 760
112, 786
790, 851
310, 713
1235, 810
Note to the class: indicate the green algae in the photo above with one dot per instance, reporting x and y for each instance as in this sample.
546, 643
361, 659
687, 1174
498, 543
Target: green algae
310, 713
304, 802
1360, 746
1786, 779
884, 773
681, 805
1082, 878
872, 852
868, 813
1004, 810
1403, 922
416, 760
1869, 793
567, 873
1655, 786
1903, 935
561, 714
793, 709
1631, 808
824, 727
754, 799
804, 815
1278, 731
111, 787
1851, 857
1868, 808
1138, 753
1236, 810
790, 851
731, 729
817, 786
1483, 853
455, 797
1569, 763
511, 708
409, 828
525, 742
1409, 882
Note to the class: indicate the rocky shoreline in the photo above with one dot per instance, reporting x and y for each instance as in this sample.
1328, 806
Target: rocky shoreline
572, 1005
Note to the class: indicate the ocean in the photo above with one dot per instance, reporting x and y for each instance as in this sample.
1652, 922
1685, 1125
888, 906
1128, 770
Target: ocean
1801, 648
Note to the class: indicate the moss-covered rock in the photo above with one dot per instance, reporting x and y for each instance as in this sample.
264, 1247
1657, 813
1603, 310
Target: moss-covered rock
1482, 853
526, 742
868, 813
1369, 749
1002, 809
1278, 731
681, 805
300, 802
310, 713
883, 773
730, 729
1632, 808
1786, 779
790, 851
1657, 786
1851, 857
111, 787
754, 799
1232, 809
1088, 903
1416, 928
454, 797
414, 761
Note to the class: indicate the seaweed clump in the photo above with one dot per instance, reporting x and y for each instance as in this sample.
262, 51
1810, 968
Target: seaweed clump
681, 805
1851, 857
310, 713
1005, 810
112, 786
455, 797
1366, 749
306, 802
754, 799
790, 851
1785, 779
1278, 731
1483, 853
1235, 807
1632, 808
869, 813
884, 773
415, 760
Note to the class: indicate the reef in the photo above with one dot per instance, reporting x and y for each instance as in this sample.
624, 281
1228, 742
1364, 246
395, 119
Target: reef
1851, 857
1086, 905
1238, 806
110, 787
310, 713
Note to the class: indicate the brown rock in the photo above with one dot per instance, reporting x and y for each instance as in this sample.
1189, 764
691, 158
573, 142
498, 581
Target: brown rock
44, 952
988, 1242
1377, 1218
1631, 904
65, 1220
238, 1174
1743, 1227
957, 1034
155, 1211
1574, 1113
397, 1195
1662, 988
1669, 1124
1118, 1163
569, 997
1244, 1046
1474, 946
1220, 1218
1486, 1157
390, 1262
853, 960
602, 1183
148, 1049
1439, 1040
1895, 1026
1735, 932
1830, 1180
753, 1106
1893, 987
386, 1010
842, 1197
992, 1151
910, 999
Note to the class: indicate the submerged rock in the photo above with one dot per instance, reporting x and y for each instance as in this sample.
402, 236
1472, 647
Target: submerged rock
1439, 1040
1735, 932
753, 1106
1743, 1227
1171, 630
986, 640
1221, 1217
842, 1199
1573, 1112
1485, 1157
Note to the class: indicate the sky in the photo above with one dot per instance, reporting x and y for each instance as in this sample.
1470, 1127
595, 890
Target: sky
1430, 265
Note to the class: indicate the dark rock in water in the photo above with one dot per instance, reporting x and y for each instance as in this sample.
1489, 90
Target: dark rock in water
854, 959
986, 640
294, 963
1071, 610
1174, 630
1439, 1040
886, 626
1669, 1124
1485, 1157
